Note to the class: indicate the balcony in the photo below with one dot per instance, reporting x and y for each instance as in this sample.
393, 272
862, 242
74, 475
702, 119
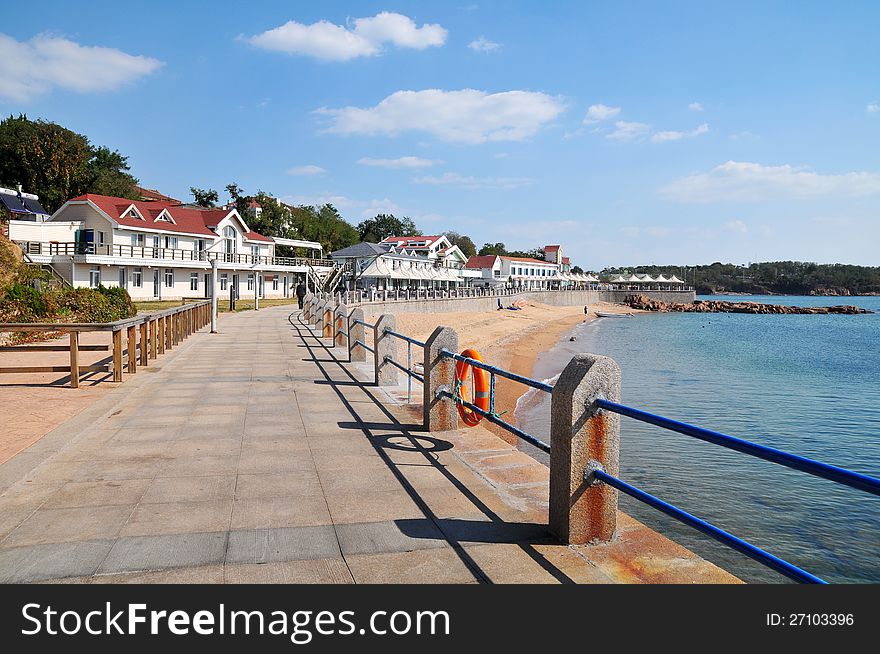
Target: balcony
164, 254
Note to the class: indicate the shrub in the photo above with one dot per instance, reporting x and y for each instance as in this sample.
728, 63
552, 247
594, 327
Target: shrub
25, 300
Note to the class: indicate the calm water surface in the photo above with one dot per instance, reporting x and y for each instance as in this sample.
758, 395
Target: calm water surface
806, 384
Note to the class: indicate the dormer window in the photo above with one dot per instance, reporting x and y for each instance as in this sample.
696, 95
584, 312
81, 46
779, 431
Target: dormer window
133, 213
165, 217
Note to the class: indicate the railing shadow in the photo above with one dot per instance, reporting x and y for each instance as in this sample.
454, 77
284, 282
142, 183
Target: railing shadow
455, 531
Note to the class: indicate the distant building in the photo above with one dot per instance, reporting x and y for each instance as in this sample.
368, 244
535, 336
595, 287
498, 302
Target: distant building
404, 263
152, 195
551, 273
16, 205
158, 250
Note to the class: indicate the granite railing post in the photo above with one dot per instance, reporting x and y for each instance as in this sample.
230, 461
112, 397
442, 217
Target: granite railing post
384, 345
439, 414
340, 326
327, 320
584, 439
358, 333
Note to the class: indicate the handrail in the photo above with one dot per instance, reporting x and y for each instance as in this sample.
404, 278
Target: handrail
794, 461
528, 381
95, 326
416, 376
361, 322
744, 547
404, 337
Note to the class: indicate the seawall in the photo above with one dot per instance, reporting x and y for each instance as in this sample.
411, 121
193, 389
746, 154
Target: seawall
490, 302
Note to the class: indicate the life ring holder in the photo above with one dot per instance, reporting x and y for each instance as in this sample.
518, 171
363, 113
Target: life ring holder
481, 388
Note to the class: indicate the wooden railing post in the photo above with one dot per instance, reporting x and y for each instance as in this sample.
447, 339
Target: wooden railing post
117, 355
153, 337
131, 349
74, 359
168, 320
144, 351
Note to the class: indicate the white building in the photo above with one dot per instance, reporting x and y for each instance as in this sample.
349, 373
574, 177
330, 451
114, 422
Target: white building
385, 266
164, 251
515, 272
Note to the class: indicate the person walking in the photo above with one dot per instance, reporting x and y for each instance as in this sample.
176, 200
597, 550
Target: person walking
300, 294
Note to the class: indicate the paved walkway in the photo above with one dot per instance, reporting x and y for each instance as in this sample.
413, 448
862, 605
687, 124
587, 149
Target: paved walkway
256, 455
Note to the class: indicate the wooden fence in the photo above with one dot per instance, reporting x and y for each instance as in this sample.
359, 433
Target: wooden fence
146, 337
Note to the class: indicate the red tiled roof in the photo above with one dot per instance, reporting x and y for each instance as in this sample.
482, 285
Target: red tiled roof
190, 220
551, 248
566, 260
481, 261
152, 195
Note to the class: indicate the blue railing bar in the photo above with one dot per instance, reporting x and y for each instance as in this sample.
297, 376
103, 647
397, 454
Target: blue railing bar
339, 332
534, 383
361, 322
405, 338
365, 346
744, 547
832, 473
409, 372
491, 417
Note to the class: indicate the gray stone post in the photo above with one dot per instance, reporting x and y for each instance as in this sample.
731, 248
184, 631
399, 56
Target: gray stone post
583, 437
319, 312
358, 333
385, 345
340, 324
327, 320
440, 414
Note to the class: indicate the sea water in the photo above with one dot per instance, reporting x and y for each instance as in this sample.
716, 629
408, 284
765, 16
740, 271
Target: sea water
807, 384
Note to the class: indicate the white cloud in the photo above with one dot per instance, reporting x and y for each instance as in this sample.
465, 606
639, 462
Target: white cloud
470, 182
400, 162
745, 182
736, 226
466, 116
662, 137
599, 112
306, 170
483, 44
627, 131
695, 106
873, 107
32, 68
363, 37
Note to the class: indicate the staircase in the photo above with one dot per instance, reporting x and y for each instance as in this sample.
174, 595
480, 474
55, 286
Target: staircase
325, 280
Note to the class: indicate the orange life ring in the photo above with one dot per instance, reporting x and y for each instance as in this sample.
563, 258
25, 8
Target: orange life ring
481, 388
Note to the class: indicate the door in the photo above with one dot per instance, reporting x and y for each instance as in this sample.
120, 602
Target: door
85, 241
207, 285
260, 282
157, 287
235, 285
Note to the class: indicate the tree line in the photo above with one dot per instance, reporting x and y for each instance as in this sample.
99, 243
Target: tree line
771, 277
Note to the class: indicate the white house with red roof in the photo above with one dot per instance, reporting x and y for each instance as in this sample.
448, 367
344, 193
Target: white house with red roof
158, 250
524, 273
436, 248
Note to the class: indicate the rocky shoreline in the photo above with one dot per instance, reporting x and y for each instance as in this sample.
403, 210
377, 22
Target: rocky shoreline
644, 303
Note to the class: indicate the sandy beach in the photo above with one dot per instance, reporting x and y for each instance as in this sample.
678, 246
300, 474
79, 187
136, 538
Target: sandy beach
508, 339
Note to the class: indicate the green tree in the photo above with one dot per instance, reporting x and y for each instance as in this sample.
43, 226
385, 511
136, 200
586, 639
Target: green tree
384, 225
577, 270
242, 201
497, 249
58, 164
204, 197
108, 174
464, 243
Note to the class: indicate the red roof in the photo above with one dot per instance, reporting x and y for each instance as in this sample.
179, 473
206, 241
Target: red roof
551, 248
479, 262
152, 195
566, 260
189, 220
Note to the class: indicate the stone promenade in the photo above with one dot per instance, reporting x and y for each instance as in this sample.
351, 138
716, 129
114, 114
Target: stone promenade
258, 455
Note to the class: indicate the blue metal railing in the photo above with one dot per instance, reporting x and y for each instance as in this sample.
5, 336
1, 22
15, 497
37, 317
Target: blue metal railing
365, 346
361, 322
491, 415
411, 374
832, 473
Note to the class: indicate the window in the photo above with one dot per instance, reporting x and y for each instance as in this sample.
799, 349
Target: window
123, 278
255, 251
200, 248
250, 283
224, 282
275, 283
137, 277
194, 281
155, 240
231, 240
171, 242
134, 213
95, 276
169, 278
100, 238
137, 240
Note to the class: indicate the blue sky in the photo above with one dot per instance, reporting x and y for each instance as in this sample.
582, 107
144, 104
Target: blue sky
630, 132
